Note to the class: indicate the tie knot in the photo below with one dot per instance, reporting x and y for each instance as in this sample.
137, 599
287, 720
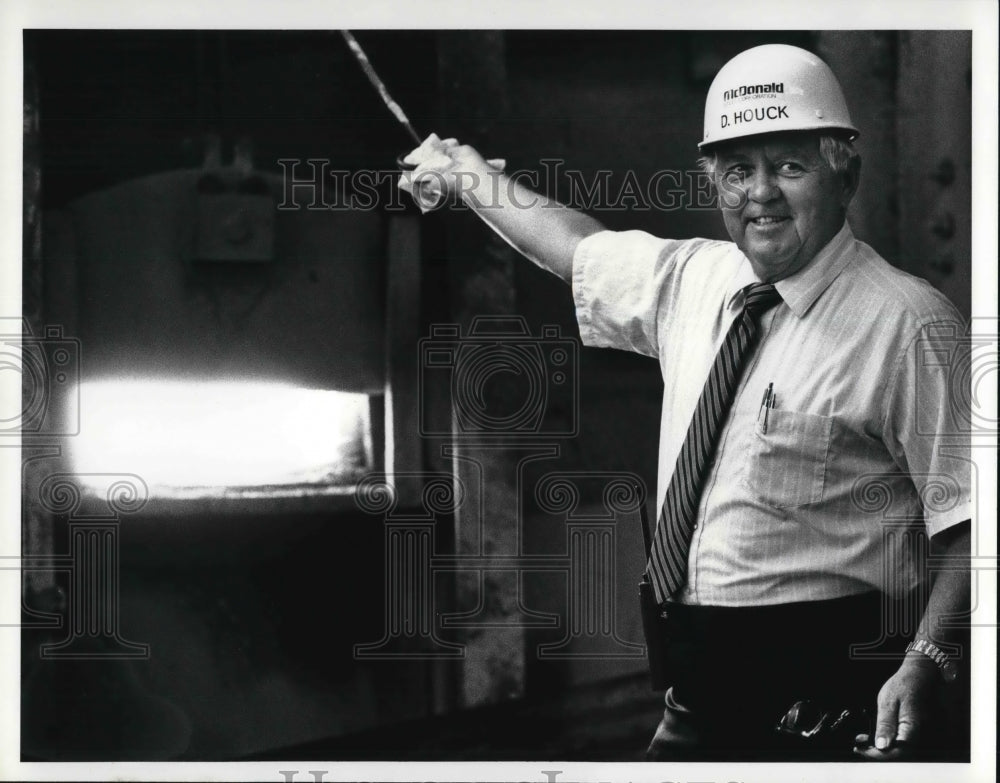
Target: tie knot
759, 298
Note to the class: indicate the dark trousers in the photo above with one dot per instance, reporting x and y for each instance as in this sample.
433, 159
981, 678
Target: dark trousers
734, 672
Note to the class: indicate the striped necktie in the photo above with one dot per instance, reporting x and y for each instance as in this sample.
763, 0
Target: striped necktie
668, 557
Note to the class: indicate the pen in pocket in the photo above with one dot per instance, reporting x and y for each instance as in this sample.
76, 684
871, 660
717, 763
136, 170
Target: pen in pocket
766, 404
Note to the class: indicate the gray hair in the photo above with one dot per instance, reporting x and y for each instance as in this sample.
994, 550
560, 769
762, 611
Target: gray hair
837, 151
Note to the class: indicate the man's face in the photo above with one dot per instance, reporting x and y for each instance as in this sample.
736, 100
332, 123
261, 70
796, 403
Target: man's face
780, 202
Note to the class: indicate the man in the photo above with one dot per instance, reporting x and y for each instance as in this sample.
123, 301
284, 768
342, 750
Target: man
801, 435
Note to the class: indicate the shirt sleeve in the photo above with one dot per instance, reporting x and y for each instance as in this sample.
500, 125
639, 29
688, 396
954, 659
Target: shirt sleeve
620, 281
927, 421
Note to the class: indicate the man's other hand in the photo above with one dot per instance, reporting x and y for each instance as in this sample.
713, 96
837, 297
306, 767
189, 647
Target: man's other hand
906, 707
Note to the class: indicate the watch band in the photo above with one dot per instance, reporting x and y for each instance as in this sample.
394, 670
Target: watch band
948, 667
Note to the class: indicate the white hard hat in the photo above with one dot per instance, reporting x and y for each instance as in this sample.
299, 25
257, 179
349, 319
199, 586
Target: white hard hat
774, 88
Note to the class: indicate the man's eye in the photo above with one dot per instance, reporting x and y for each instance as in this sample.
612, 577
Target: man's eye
737, 172
791, 167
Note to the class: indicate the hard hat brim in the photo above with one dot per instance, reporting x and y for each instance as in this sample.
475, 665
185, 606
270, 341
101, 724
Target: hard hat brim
847, 132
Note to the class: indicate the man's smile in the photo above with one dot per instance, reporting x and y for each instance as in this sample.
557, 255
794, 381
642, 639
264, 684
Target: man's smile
764, 222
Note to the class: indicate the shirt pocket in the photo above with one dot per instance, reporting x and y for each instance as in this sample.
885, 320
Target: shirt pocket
786, 466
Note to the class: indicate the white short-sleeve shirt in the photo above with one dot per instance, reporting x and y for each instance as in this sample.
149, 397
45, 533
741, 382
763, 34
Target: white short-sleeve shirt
864, 453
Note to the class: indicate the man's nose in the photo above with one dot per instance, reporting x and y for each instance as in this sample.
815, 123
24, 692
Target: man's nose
763, 186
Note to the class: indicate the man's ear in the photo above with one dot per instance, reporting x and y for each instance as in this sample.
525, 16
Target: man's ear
850, 179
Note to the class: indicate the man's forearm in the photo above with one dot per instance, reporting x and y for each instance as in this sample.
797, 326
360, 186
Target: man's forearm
950, 591
543, 230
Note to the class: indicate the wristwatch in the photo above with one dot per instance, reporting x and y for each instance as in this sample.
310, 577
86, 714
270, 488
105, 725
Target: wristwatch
947, 665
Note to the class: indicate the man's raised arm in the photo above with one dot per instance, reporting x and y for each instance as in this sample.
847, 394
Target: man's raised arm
544, 231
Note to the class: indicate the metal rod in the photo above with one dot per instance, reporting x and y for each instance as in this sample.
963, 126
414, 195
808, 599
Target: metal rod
379, 85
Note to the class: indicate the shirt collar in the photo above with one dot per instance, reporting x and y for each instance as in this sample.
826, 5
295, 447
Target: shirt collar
804, 287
